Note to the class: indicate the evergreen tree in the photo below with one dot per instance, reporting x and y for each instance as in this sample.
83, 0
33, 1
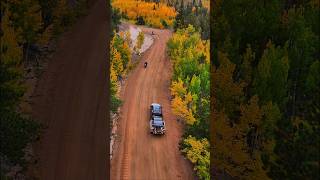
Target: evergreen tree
272, 73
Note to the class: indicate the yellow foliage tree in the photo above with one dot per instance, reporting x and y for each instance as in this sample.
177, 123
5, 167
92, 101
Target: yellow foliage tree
251, 113
180, 108
128, 38
188, 43
227, 91
198, 152
120, 54
231, 150
113, 74
117, 62
126, 56
152, 12
140, 40
177, 88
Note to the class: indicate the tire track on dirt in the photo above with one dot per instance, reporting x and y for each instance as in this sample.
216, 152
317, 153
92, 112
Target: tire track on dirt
125, 170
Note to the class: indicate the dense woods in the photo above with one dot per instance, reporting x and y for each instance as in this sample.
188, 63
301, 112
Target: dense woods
154, 14
265, 89
27, 27
120, 58
194, 12
190, 89
189, 52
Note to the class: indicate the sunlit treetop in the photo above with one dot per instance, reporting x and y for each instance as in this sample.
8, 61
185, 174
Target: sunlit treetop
154, 14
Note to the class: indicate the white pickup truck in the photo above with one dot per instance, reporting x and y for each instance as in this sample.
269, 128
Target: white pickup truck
157, 124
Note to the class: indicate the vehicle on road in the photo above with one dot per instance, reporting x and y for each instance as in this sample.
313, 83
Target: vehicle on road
155, 110
145, 64
157, 124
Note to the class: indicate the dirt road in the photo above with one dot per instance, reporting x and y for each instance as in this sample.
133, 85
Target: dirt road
71, 99
140, 155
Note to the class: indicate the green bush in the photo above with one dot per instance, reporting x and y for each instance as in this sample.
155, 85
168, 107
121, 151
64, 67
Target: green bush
140, 21
115, 103
164, 23
16, 132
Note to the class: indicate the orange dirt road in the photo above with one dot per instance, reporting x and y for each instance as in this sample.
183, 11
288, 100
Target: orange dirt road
139, 155
71, 98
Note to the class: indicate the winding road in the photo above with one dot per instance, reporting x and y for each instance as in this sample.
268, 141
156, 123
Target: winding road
138, 154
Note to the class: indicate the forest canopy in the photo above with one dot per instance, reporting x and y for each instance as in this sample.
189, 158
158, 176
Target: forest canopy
157, 15
27, 29
190, 90
266, 91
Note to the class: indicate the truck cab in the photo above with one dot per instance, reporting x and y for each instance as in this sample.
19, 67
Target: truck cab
155, 110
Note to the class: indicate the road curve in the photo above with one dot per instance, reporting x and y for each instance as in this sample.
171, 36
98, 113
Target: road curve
138, 154
71, 99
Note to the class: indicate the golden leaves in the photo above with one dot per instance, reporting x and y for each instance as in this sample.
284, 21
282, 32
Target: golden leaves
180, 108
177, 88
150, 11
140, 40
198, 152
120, 57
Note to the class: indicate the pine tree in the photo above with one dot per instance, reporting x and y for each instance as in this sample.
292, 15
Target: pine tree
246, 66
272, 74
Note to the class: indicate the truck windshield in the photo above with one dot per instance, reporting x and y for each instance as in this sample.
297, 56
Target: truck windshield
157, 109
